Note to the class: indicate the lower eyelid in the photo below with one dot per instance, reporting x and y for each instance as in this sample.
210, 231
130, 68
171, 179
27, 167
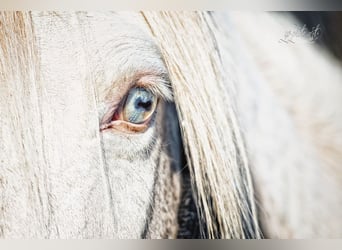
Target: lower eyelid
126, 127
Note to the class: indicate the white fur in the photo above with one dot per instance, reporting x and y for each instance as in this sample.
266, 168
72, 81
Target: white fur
63, 177
246, 103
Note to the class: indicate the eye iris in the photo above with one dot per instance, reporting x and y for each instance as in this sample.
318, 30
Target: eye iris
140, 104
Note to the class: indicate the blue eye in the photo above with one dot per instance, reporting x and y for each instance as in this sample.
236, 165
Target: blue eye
139, 106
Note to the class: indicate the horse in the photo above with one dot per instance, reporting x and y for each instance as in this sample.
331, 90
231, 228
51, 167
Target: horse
166, 125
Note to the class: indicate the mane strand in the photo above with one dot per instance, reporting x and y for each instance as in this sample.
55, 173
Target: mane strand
212, 140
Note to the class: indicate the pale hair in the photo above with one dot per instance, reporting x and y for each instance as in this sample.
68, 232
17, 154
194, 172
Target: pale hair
280, 124
212, 139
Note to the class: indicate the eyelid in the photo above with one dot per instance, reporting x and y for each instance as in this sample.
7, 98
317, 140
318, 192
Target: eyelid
159, 85
156, 82
126, 127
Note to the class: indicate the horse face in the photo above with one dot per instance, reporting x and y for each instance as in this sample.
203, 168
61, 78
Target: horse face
90, 171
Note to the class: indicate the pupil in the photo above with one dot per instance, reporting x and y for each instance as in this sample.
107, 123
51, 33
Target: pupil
144, 105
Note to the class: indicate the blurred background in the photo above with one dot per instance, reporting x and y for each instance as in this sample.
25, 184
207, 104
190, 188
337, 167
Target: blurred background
331, 25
